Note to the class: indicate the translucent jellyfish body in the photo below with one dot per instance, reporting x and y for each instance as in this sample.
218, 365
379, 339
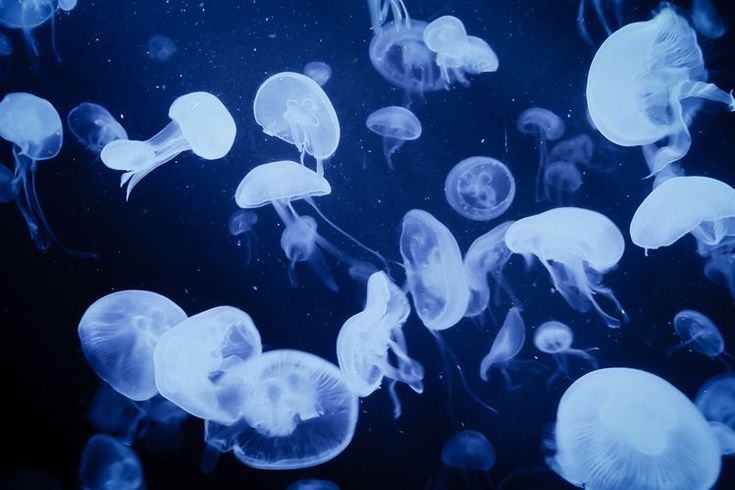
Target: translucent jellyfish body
716, 401
160, 48
577, 247
298, 410
94, 127
67, 5
28, 15
506, 346
242, 224
699, 333
622, 428
545, 126
199, 123
480, 188
555, 338
318, 71
706, 20
119, 332
470, 450
434, 270
396, 125
191, 358
645, 84
107, 463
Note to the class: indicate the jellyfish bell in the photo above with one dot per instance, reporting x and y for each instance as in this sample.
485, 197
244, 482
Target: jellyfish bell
469, 450
479, 57
545, 126
706, 20
283, 180
67, 5
318, 71
699, 333
94, 127
577, 151
555, 338
563, 177
446, 35
480, 188
108, 463
27, 15
396, 125
32, 125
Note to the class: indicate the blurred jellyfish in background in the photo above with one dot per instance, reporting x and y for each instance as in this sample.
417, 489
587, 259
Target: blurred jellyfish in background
645, 85
472, 454
699, 333
67, 5
199, 123
716, 401
396, 125
577, 247
107, 463
318, 71
241, 225
6, 47
28, 15
556, 338
625, 428
94, 127
313, 485
706, 20
545, 126
480, 188
160, 48
562, 175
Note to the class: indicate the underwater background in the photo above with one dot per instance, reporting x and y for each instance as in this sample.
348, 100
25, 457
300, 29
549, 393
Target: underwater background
172, 236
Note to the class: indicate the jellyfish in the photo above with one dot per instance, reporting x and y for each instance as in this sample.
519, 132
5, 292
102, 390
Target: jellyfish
625, 428
199, 123
577, 247
563, 178
296, 411
94, 127
318, 71
480, 188
107, 463
716, 401
241, 224
720, 262
191, 358
577, 151
706, 20
699, 333
368, 340
118, 333
67, 5
160, 48
27, 15
556, 338
504, 349
545, 126
645, 85
379, 10
488, 254
396, 125
311, 484
6, 47
295, 109
470, 452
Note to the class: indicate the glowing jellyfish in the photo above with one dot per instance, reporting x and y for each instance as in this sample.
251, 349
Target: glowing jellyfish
313, 485
67, 5
318, 71
107, 463
577, 151
563, 178
296, 407
622, 428
396, 125
577, 247
545, 126
191, 358
160, 48
645, 83
469, 450
488, 254
119, 332
697, 332
506, 346
6, 47
706, 20
27, 15
295, 109
556, 338
242, 223
434, 270
199, 123
94, 127
716, 401
371, 345
480, 188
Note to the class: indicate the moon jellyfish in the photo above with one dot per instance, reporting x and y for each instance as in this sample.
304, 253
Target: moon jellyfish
94, 127
504, 349
296, 407
368, 340
620, 428
27, 15
716, 401
577, 151
313, 485
563, 177
318, 71
396, 125
241, 224
119, 332
199, 123
295, 109
434, 270
6, 47
697, 332
577, 247
191, 358
160, 48
480, 188
645, 85
470, 450
67, 5
488, 254
556, 338
107, 463
545, 126
706, 20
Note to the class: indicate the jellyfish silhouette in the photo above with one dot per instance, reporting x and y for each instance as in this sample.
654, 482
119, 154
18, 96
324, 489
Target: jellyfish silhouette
706, 20
28, 15
318, 71
107, 463
562, 176
94, 127
480, 188
545, 126
472, 454
716, 401
555, 338
396, 125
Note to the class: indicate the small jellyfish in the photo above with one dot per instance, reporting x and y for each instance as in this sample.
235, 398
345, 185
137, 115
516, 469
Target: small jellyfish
480, 188
199, 123
504, 349
67, 5
107, 463
241, 225
577, 151
646, 83
313, 485
556, 338
6, 47
545, 126
94, 127
697, 332
563, 178
622, 428
396, 125
716, 401
27, 15
471, 453
577, 247
160, 48
118, 333
318, 71
706, 20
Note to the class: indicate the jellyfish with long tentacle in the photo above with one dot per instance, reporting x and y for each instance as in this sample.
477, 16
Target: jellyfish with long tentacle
545, 126
600, 8
396, 125
555, 338
28, 15
242, 224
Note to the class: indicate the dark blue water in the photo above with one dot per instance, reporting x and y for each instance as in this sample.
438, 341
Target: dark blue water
172, 237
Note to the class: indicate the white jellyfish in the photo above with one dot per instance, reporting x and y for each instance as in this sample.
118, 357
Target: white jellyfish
318, 71
480, 188
396, 125
555, 338
699, 333
545, 126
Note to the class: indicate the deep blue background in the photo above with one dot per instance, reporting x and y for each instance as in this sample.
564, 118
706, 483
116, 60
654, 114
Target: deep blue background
172, 238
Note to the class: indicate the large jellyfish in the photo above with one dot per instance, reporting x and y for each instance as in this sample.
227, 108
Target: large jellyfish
480, 188
94, 127
368, 340
545, 126
297, 411
716, 401
119, 332
27, 15
108, 463
434, 270
199, 123
191, 358
556, 338
318, 71
577, 247
622, 428
295, 109
504, 349
396, 125
645, 85
699, 333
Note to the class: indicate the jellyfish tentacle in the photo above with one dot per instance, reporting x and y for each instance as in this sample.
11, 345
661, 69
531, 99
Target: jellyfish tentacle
397, 410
